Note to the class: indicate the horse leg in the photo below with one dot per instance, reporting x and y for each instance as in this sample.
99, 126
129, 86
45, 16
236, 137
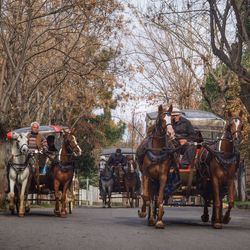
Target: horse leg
132, 196
227, 217
24, 180
127, 192
11, 194
217, 204
56, 189
205, 216
109, 196
145, 197
151, 220
27, 204
64, 198
159, 224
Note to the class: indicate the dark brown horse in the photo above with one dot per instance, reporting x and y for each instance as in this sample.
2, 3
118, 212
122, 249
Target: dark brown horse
131, 180
63, 170
222, 163
154, 158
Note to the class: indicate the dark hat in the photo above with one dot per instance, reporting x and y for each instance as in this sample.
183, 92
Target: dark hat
118, 150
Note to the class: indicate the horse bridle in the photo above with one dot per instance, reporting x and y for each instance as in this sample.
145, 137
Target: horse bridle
228, 129
69, 147
20, 148
162, 131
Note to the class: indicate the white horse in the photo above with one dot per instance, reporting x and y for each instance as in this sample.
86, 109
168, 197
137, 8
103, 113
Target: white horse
18, 171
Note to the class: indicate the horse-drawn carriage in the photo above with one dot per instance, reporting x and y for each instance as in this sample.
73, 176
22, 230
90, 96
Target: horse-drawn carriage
212, 171
50, 177
211, 128
118, 179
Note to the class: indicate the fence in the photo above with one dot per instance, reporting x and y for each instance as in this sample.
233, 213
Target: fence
91, 197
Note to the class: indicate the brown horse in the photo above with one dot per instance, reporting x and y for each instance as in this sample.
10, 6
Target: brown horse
131, 180
222, 164
155, 158
63, 170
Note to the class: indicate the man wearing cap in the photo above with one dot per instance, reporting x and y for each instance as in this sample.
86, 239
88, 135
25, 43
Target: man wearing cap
117, 158
114, 161
36, 142
184, 132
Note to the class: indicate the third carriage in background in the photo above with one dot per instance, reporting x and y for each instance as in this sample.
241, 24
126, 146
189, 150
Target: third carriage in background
127, 184
210, 127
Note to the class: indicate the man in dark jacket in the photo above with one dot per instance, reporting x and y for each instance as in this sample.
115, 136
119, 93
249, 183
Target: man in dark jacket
117, 158
184, 132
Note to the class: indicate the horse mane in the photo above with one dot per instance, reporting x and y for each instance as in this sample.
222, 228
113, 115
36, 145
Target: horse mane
150, 129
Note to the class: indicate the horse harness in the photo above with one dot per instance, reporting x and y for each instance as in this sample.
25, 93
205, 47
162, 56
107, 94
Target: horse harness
19, 167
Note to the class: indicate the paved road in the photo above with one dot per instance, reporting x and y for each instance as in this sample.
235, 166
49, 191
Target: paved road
120, 228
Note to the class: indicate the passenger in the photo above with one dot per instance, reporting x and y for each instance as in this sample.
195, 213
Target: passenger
115, 161
52, 153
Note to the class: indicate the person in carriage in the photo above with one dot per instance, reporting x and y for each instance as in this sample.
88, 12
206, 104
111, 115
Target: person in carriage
184, 132
117, 159
36, 142
52, 154
118, 162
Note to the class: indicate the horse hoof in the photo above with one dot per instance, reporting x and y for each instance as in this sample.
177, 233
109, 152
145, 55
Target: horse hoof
103, 206
142, 214
159, 225
57, 213
64, 215
205, 218
151, 222
217, 225
21, 215
226, 220
109, 206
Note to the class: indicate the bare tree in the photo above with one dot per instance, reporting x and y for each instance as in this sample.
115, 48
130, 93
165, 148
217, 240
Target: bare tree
230, 39
55, 53
184, 51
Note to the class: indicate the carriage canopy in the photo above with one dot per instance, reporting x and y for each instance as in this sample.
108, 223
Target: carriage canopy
210, 125
45, 130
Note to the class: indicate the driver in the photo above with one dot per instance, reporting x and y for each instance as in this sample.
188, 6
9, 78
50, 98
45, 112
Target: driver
184, 132
117, 158
36, 142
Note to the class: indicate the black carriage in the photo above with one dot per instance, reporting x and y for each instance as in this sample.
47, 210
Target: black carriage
119, 184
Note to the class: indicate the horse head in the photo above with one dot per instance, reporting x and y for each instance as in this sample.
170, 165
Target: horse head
163, 122
102, 165
21, 143
131, 164
71, 143
234, 126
